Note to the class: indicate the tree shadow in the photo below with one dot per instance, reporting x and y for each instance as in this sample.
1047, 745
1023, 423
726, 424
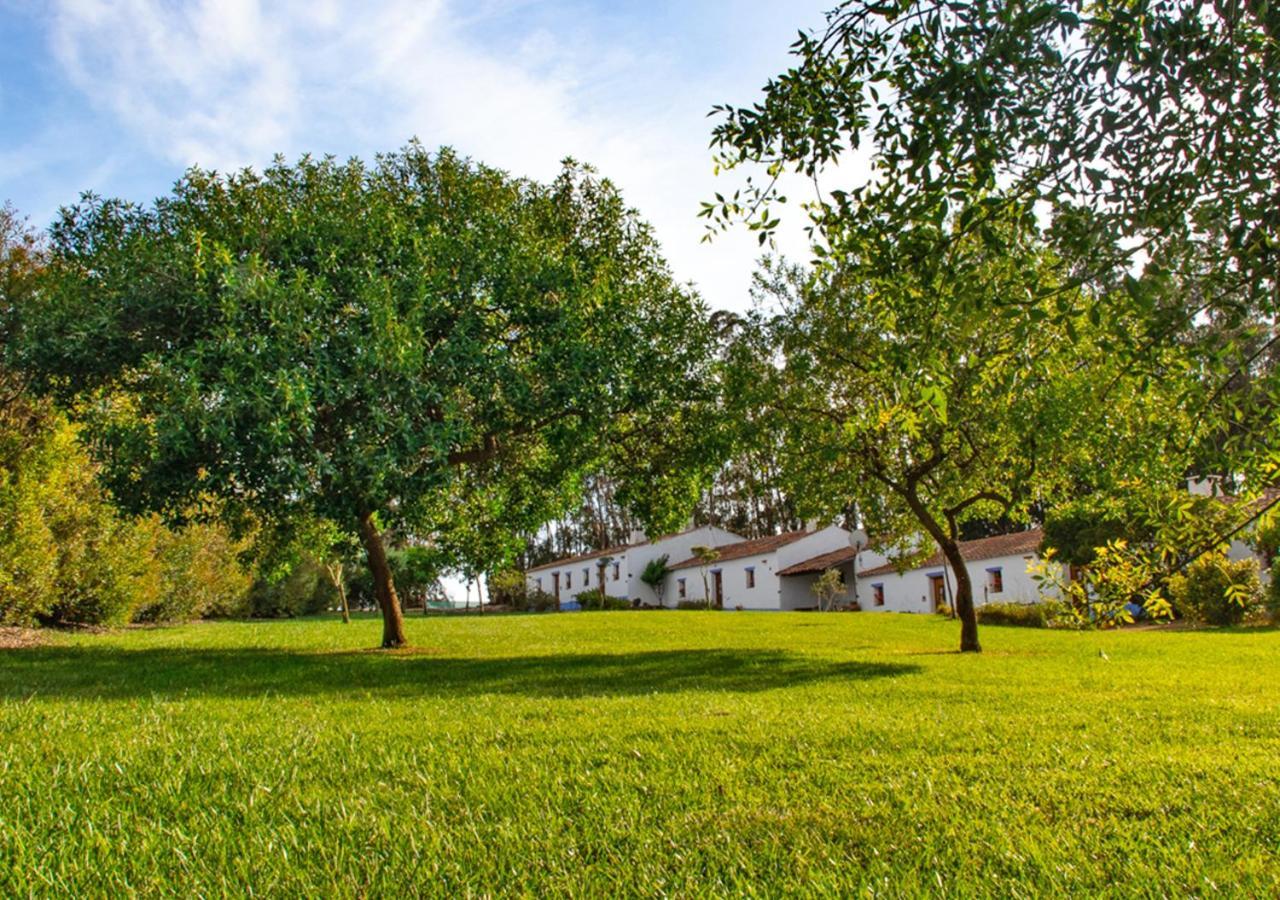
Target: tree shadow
112, 673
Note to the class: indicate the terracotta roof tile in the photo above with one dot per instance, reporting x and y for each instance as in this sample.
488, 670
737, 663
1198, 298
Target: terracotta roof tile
822, 561
739, 549
1019, 543
582, 557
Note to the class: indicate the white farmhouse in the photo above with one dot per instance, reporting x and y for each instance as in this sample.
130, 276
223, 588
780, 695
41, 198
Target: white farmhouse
617, 570
999, 570
777, 572
747, 574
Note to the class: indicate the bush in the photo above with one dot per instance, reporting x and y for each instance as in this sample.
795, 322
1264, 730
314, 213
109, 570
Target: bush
691, 604
66, 555
1217, 591
509, 588
598, 600
306, 590
1030, 615
200, 574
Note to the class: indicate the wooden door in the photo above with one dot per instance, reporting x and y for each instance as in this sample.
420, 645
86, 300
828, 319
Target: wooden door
937, 591
717, 589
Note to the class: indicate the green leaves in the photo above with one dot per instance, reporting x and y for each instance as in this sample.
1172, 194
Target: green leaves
323, 339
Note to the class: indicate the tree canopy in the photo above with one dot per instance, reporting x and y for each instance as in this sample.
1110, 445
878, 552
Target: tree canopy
356, 342
1085, 188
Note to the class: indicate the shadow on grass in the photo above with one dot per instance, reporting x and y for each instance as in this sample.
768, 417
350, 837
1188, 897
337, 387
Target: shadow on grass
109, 673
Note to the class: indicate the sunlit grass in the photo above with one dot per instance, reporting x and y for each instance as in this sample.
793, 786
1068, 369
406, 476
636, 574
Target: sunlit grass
656, 753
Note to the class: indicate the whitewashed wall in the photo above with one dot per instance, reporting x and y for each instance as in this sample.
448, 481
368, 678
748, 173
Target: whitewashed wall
544, 579
677, 548
770, 592
911, 591
796, 592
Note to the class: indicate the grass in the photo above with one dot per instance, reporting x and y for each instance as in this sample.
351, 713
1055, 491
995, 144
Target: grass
640, 753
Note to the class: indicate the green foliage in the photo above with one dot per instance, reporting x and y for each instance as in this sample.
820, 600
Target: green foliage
200, 573
599, 600
395, 344
1076, 528
828, 586
508, 588
566, 756
68, 555
1166, 532
655, 575
1044, 614
1216, 590
303, 590
1093, 111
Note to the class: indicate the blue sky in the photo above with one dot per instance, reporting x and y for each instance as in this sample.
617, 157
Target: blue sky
119, 97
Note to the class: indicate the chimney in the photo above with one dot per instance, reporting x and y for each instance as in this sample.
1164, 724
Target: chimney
812, 525
637, 536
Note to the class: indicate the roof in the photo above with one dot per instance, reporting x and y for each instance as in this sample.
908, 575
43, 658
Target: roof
582, 557
822, 561
1018, 543
621, 548
752, 547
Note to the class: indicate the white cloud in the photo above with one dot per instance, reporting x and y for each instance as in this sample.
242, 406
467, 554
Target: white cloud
228, 83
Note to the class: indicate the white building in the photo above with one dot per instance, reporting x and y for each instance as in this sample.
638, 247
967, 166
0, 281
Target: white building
747, 574
777, 572
618, 569
998, 569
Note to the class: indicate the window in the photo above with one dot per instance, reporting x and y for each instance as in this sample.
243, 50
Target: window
568, 580
877, 594
680, 588
539, 580
616, 570
751, 576
586, 578
995, 580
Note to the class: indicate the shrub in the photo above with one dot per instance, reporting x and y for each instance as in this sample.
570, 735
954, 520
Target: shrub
509, 588
305, 590
539, 601
1030, 615
1217, 591
598, 599
692, 604
200, 574
66, 555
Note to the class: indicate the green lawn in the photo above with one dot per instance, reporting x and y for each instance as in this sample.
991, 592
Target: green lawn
654, 753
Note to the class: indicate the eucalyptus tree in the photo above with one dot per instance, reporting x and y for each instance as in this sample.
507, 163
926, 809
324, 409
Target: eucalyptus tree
354, 342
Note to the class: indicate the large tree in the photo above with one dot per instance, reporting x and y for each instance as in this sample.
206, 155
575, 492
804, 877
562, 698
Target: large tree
354, 342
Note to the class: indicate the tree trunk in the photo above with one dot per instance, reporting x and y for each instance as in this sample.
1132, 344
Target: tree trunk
963, 607
950, 548
339, 583
384, 587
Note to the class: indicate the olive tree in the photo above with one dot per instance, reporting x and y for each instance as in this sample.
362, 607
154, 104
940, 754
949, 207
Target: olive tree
351, 341
901, 386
